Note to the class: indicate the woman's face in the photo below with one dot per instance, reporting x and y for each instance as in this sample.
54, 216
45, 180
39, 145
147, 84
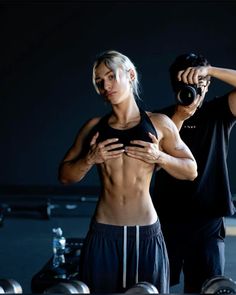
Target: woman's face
112, 90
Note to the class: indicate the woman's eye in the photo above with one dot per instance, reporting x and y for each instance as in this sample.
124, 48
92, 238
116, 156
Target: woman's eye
111, 77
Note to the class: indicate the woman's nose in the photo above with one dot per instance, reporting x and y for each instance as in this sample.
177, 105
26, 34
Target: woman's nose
107, 85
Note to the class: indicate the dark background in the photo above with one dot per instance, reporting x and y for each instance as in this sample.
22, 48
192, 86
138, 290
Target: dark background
47, 49
46, 55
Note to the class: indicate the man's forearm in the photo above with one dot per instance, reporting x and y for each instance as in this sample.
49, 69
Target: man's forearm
226, 75
178, 121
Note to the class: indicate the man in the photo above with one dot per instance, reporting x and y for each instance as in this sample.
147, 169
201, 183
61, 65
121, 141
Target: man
191, 213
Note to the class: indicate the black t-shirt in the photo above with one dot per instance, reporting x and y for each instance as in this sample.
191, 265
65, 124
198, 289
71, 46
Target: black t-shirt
207, 135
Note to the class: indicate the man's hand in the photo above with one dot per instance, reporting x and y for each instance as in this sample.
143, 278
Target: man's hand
193, 75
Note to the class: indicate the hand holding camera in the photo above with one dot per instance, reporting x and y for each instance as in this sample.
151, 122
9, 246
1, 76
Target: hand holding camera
186, 94
191, 82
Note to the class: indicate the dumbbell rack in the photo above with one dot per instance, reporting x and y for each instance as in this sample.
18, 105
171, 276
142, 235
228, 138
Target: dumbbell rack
44, 204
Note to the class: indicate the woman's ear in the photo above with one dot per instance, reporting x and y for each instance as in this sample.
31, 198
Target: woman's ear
132, 75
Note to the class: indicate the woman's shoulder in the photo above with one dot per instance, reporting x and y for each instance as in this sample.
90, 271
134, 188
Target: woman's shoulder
93, 121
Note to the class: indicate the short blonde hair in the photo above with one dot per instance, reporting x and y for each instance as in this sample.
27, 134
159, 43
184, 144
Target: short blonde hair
115, 60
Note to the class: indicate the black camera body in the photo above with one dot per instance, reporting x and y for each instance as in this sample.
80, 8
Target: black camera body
187, 93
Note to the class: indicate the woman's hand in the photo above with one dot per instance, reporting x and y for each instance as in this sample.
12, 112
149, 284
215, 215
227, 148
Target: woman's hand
102, 151
148, 152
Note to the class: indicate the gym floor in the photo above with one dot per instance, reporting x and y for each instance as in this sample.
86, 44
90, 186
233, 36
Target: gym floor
26, 243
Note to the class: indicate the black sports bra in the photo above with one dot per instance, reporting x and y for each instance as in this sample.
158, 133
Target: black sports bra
138, 132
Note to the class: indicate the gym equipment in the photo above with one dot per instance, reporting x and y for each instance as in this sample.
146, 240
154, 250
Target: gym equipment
142, 288
1, 290
50, 276
72, 287
28, 209
219, 285
4, 209
47, 207
81, 287
10, 286
61, 288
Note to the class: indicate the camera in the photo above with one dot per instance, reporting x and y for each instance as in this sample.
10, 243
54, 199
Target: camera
187, 93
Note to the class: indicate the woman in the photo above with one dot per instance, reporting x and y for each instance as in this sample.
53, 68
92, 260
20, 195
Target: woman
124, 244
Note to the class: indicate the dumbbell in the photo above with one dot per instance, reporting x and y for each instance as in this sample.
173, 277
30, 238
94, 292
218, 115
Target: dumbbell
4, 210
219, 285
43, 209
10, 286
2, 216
71, 287
142, 288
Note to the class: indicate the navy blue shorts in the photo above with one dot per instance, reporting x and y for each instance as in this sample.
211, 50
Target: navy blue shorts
196, 248
114, 258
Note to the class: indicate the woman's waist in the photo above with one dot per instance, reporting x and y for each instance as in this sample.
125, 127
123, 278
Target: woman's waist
126, 211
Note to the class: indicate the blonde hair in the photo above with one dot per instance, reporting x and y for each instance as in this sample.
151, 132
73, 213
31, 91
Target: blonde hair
115, 60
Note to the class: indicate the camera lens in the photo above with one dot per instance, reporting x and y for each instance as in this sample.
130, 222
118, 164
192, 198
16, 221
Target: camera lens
187, 94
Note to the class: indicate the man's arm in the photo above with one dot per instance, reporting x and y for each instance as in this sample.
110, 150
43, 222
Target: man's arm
228, 76
191, 76
168, 151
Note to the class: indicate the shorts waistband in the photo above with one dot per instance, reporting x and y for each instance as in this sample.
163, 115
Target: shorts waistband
117, 231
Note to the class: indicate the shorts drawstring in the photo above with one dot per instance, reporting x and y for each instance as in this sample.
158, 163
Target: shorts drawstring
125, 255
137, 253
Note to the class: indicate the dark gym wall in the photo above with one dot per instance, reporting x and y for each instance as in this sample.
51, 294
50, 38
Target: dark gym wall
46, 57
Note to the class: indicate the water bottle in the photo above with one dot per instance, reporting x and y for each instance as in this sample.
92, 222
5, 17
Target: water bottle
59, 243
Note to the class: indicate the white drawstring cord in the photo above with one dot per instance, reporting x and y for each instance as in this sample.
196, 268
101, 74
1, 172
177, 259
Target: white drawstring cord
137, 253
125, 256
